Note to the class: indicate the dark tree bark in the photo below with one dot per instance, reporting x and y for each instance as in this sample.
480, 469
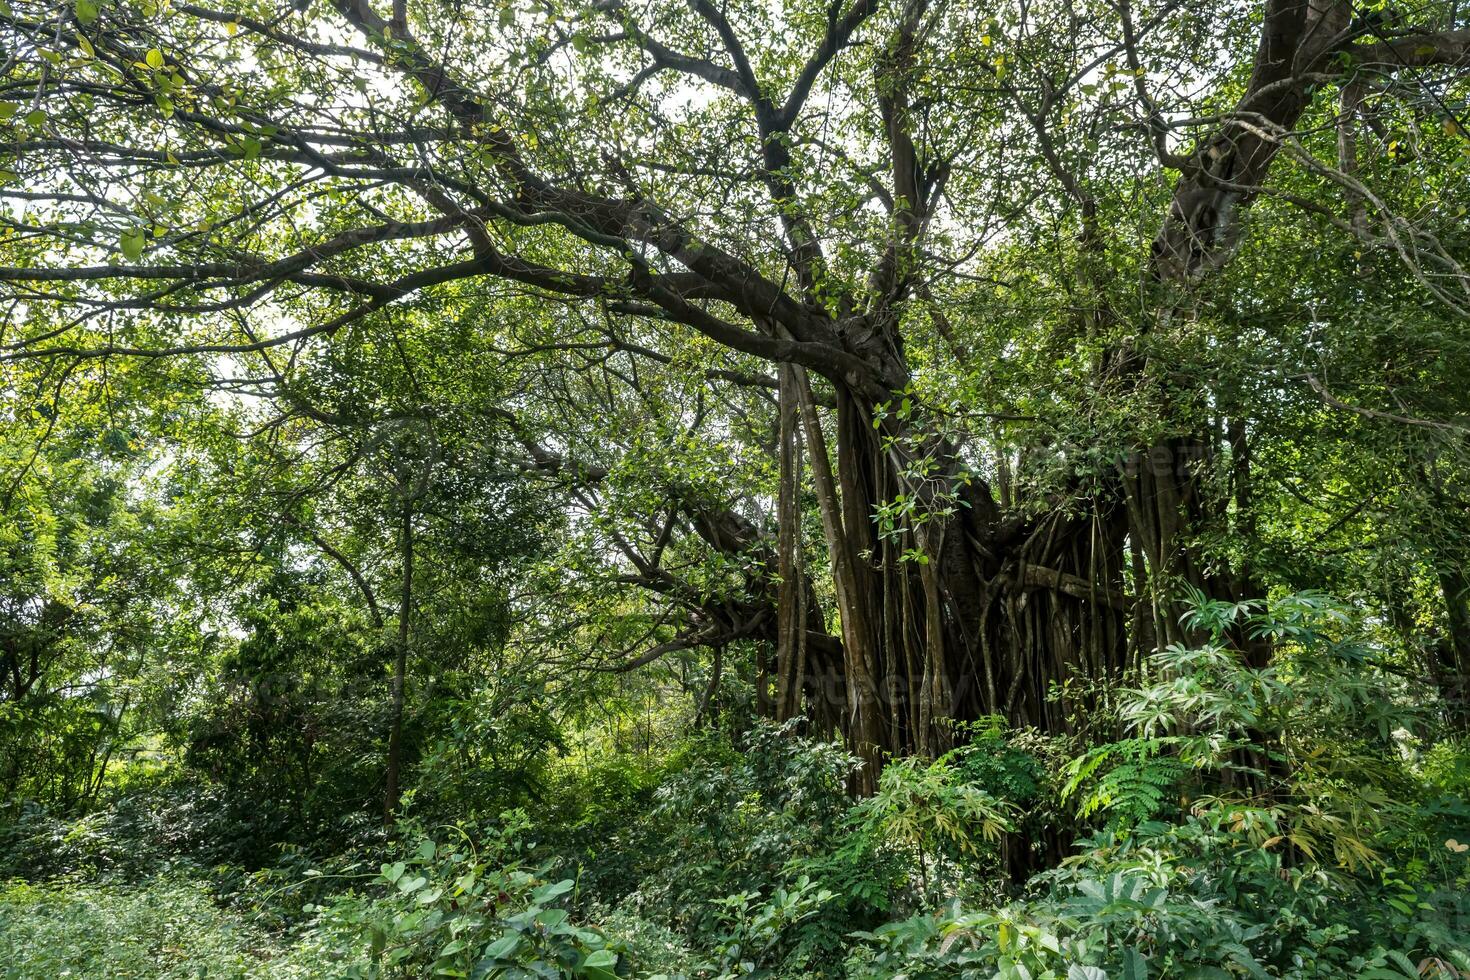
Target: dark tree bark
1453, 665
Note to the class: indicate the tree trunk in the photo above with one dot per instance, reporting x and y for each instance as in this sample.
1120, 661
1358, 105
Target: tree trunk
953, 609
1452, 670
791, 608
400, 669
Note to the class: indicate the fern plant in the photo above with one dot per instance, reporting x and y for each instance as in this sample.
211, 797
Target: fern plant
1300, 754
1136, 779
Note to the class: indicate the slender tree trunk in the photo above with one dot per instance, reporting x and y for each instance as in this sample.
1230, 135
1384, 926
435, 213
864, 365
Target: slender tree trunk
1453, 668
864, 721
791, 611
400, 669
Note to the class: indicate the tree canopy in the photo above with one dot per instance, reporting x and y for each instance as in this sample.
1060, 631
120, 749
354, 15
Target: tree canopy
415, 384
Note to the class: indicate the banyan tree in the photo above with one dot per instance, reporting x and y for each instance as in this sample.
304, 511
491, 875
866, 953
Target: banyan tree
827, 210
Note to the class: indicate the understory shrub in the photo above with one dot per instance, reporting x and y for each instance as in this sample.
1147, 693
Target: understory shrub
168, 929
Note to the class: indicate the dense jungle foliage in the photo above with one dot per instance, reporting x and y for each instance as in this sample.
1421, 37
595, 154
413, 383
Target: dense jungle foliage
735, 488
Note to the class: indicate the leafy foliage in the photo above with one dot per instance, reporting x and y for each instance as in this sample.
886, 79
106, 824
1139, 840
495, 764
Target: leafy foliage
466, 907
829, 488
168, 929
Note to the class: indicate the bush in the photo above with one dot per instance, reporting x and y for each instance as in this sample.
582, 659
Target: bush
1193, 899
731, 820
122, 842
170, 928
468, 905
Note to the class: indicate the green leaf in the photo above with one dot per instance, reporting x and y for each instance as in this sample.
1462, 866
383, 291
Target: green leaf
503, 947
600, 964
86, 11
132, 244
153, 59
551, 918
546, 893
